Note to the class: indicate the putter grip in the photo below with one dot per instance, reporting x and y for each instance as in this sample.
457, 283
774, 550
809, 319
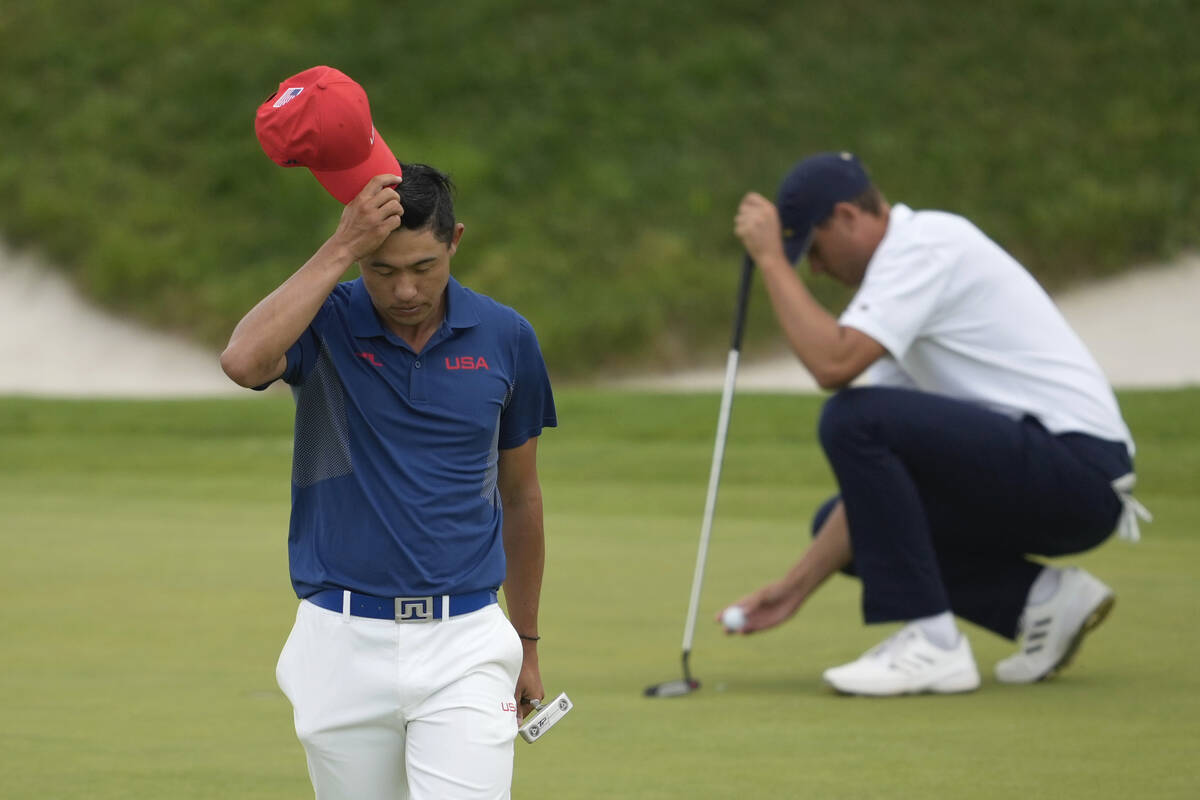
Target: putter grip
739, 320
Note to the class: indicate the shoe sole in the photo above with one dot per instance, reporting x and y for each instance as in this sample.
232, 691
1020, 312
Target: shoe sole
1092, 622
960, 683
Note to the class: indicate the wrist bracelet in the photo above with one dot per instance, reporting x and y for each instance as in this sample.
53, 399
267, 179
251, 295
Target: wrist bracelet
529, 638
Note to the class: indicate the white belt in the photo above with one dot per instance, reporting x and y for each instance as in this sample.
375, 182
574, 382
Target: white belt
1131, 509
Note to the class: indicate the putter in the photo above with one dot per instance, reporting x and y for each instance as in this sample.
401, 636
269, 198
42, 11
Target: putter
687, 684
544, 716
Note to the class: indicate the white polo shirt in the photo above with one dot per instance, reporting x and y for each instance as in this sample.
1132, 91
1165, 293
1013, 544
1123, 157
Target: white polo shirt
961, 317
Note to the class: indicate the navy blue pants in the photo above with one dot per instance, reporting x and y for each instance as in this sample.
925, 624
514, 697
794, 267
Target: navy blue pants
945, 501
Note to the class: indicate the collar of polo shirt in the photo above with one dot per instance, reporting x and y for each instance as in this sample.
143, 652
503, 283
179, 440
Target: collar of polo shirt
365, 322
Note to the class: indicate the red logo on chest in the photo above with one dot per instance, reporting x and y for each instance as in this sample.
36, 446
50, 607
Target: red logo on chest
370, 359
466, 362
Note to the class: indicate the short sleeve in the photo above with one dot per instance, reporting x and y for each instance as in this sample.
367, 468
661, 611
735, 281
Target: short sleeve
301, 357
531, 404
886, 372
899, 294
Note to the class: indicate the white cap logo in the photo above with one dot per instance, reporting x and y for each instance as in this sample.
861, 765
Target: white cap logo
288, 96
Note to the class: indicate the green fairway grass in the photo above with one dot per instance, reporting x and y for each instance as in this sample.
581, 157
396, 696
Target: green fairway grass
146, 596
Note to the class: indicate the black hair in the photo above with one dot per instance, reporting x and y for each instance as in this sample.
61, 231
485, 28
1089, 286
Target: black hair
427, 195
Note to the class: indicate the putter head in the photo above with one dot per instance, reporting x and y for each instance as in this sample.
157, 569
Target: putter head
544, 716
676, 688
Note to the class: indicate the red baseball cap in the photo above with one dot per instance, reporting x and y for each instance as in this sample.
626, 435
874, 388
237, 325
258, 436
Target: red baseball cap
320, 119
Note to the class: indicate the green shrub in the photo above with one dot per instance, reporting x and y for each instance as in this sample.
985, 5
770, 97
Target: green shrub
600, 149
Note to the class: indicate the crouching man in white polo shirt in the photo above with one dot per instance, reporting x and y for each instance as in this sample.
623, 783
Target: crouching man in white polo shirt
986, 433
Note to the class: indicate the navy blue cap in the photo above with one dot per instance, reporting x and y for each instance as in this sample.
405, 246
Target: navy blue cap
810, 191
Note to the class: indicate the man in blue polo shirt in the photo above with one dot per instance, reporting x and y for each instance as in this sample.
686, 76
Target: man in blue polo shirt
415, 496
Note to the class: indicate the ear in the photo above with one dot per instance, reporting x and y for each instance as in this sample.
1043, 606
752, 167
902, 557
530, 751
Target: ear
458, 232
846, 213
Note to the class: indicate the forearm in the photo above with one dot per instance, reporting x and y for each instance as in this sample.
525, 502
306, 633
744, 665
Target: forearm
525, 555
258, 343
813, 333
780, 599
829, 552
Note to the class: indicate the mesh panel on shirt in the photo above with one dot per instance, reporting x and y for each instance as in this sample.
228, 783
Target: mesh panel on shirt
322, 447
489, 490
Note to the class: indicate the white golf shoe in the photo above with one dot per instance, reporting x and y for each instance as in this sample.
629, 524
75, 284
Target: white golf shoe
1051, 632
908, 663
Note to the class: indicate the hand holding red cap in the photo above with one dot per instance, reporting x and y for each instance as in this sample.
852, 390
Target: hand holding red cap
320, 119
370, 217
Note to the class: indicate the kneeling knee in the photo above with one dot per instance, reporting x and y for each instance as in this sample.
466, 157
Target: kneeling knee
843, 413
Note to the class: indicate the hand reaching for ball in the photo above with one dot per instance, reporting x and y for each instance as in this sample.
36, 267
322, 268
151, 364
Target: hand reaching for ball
765, 608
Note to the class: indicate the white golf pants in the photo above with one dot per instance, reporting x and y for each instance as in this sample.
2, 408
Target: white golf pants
404, 711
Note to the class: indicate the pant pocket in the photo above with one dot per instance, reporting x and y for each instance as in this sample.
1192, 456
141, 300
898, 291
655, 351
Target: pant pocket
509, 644
283, 670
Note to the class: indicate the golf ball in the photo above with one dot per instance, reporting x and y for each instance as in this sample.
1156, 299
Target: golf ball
733, 618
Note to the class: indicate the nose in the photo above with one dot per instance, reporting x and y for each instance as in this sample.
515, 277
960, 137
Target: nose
405, 288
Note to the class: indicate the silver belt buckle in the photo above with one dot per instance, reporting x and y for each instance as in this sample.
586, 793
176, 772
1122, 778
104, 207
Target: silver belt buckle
414, 609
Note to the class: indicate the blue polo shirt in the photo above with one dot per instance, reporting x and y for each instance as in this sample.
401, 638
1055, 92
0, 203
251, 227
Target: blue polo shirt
394, 466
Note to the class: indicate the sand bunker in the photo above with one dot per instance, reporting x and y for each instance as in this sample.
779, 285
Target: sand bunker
1143, 328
